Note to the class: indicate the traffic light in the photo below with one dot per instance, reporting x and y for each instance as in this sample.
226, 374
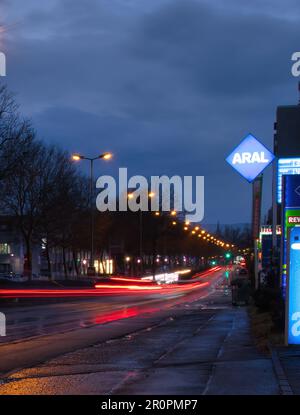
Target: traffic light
228, 255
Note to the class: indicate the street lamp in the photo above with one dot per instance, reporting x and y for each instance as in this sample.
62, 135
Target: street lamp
78, 157
150, 196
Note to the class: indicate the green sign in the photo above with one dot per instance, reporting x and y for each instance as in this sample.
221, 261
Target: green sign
292, 218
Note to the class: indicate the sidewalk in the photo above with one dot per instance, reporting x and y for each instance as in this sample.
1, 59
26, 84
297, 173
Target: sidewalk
287, 360
200, 348
240, 369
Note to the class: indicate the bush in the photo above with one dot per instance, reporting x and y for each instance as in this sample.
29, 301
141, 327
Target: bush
270, 300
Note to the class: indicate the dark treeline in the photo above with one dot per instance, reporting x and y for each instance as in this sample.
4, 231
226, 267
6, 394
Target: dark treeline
49, 198
239, 235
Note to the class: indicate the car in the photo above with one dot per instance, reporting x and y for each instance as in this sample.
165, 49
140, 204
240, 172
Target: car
18, 278
6, 276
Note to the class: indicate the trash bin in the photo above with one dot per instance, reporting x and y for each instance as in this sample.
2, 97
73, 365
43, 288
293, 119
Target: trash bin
240, 290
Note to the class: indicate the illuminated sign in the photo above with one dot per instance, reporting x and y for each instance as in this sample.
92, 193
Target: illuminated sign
250, 158
293, 291
286, 166
294, 219
290, 256
267, 230
290, 217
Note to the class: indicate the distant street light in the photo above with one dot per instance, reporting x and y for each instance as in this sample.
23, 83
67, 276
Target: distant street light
78, 157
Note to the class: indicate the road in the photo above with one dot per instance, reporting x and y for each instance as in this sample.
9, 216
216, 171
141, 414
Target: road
186, 343
92, 307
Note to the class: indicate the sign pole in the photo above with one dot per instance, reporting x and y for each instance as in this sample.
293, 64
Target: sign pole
249, 159
256, 264
256, 219
274, 213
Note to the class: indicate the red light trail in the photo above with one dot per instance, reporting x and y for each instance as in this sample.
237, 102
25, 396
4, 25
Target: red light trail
112, 289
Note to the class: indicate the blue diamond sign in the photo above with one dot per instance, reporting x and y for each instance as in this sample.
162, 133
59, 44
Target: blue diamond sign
250, 158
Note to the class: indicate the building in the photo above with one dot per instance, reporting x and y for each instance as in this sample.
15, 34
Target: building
62, 261
12, 249
287, 131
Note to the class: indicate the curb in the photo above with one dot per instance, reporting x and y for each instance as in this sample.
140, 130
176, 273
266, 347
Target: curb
284, 386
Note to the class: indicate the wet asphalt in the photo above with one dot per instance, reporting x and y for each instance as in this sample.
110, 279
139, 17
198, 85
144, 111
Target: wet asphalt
201, 347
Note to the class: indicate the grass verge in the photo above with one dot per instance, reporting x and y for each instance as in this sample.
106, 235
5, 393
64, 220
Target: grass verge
263, 329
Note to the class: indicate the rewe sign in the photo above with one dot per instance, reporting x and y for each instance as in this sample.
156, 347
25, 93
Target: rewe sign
250, 158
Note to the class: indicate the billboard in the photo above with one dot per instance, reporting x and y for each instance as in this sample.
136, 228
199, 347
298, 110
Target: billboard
286, 166
290, 211
250, 158
293, 286
290, 256
267, 249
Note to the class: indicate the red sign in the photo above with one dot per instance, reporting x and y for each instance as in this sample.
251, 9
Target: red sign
294, 219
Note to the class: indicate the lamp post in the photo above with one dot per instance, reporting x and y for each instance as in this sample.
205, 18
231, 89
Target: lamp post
78, 157
150, 196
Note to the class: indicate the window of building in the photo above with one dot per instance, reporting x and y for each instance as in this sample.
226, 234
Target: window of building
4, 249
5, 268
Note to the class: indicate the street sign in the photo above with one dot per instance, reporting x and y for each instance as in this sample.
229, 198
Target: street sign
250, 158
286, 166
290, 212
290, 255
290, 220
292, 332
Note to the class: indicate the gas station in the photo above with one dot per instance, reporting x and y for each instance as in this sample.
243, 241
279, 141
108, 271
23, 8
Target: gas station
277, 246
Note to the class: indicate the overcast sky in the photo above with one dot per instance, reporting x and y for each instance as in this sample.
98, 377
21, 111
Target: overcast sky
170, 87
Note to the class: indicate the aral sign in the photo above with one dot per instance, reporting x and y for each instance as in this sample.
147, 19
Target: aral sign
250, 158
255, 157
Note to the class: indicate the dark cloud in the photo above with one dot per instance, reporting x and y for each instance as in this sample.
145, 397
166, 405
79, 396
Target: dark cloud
169, 86
217, 54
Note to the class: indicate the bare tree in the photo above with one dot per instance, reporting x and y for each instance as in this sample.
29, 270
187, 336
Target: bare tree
13, 131
63, 205
22, 191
